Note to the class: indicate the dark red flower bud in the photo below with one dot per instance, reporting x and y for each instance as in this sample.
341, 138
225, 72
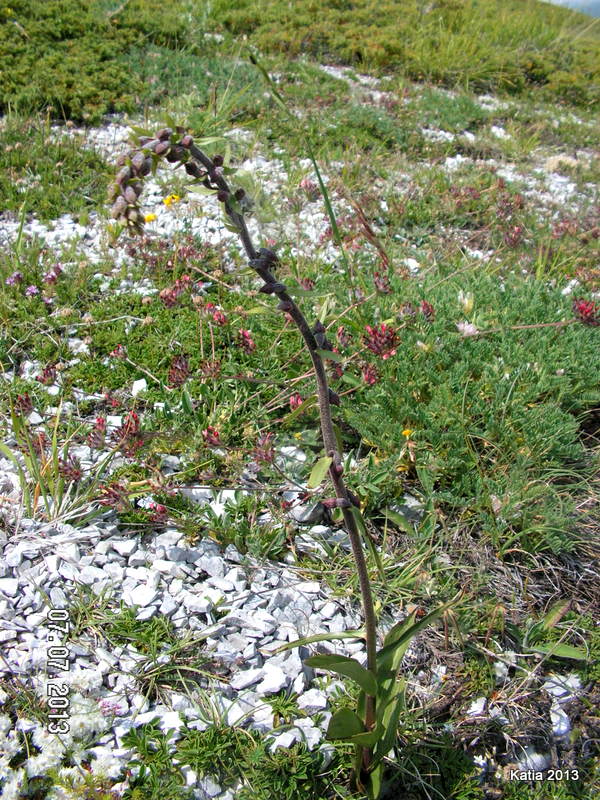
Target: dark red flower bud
218, 161
222, 196
160, 148
336, 502
137, 162
119, 207
146, 168
123, 175
193, 169
164, 134
240, 194
130, 195
187, 141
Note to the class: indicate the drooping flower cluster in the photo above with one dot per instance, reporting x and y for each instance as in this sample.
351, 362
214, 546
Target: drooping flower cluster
171, 294
295, 401
128, 438
246, 341
264, 452
97, 434
586, 311
381, 339
369, 374
160, 513
427, 310
211, 436
70, 468
120, 351
179, 371
47, 375
23, 404
115, 495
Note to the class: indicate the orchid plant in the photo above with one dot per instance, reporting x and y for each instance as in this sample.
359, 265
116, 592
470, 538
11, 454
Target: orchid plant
372, 726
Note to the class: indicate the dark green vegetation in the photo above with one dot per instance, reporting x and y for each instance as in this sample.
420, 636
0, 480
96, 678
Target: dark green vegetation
46, 172
82, 58
495, 433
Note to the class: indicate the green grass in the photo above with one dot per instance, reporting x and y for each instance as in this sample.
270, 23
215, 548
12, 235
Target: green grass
47, 173
497, 435
477, 45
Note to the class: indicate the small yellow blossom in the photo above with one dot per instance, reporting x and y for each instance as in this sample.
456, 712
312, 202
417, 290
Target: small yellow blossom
170, 199
150, 217
297, 435
406, 432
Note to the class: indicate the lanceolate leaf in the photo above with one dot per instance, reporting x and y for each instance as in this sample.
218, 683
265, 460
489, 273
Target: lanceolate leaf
399, 637
320, 637
344, 724
343, 665
330, 355
560, 651
319, 471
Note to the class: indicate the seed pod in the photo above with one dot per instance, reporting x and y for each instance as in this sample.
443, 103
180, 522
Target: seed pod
118, 208
161, 147
114, 190
193, 169
164, 134
187, 141
123, 175
137, 162
239, 195
175, 154
222, 196
130, 195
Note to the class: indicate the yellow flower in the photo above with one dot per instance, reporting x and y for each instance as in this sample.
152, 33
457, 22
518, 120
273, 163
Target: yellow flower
406, 432
149, 217
297, 435
172, 198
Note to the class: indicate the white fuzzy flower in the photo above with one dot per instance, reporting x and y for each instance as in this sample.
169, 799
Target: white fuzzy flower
466, 300
85, 680
467, 328
12, 788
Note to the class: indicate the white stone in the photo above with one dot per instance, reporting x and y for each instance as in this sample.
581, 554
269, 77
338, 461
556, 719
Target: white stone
561, 724
140, 596
9, 586
138, 387
125, 547
312, 701
246, 678
274, 680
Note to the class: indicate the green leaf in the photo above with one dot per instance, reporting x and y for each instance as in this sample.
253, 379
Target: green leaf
344, 724
369, 738
399, 520
349, 667
320, 637
374, 782
399, 637
187, 402
330, 355
352, 380
555, 614
360, 524
304, 406
319, 471
560, 651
